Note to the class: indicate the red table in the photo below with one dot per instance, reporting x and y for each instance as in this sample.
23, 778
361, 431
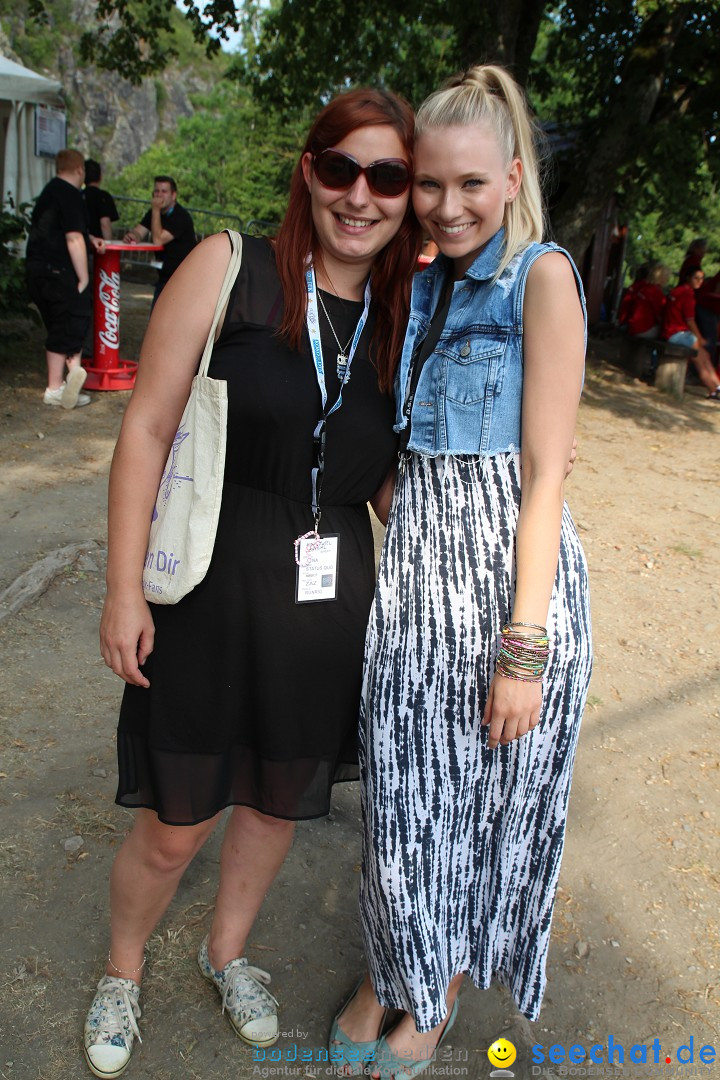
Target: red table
106, 371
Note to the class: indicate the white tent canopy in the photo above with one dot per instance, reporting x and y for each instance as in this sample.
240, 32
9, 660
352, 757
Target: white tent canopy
23, 173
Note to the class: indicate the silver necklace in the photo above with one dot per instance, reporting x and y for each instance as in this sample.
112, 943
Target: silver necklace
342, 356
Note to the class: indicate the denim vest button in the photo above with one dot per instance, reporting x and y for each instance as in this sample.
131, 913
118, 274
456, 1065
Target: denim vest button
465, 351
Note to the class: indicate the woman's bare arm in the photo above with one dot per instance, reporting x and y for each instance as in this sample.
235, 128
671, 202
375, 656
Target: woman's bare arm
169, 359
553, 368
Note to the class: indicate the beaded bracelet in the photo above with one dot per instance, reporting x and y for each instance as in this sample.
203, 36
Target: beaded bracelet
523, 656
542, 630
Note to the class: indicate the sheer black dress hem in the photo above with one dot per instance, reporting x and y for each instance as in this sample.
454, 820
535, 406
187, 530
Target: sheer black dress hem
189, 788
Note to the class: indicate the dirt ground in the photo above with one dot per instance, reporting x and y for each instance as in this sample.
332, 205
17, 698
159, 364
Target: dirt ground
635, 950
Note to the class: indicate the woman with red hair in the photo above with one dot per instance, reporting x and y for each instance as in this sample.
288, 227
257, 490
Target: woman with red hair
245, 693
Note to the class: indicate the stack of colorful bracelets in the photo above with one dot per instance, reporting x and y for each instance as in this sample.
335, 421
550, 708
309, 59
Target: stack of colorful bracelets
524, 651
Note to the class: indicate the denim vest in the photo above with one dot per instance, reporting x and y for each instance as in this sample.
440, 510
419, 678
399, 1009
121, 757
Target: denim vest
469, 396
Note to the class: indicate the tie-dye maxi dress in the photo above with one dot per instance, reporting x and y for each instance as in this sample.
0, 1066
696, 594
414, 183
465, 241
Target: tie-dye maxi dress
462, 844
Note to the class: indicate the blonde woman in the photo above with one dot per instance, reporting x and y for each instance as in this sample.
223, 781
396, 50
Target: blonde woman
478, 653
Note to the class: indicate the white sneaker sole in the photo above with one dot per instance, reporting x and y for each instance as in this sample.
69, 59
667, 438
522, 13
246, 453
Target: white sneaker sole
104, 1075
73, 385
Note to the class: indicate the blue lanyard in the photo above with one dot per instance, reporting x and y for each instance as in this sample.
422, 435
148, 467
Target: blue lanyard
317, 355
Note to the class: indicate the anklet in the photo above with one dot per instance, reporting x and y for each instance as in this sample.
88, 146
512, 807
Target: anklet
120, 970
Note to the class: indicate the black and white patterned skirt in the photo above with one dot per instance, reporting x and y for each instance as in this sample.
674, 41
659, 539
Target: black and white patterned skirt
462, 844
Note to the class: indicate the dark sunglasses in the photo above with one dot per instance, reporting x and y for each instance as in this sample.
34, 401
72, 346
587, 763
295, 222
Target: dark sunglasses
337, 170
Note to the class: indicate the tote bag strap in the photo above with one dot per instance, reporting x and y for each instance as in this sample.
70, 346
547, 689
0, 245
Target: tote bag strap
225, 289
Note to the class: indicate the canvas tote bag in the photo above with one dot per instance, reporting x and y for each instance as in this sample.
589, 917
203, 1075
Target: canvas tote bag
187, 508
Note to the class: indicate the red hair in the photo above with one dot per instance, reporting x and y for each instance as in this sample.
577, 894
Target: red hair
393, 266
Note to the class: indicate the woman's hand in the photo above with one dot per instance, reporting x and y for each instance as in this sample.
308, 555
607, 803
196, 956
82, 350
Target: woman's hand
127, 635
513, 709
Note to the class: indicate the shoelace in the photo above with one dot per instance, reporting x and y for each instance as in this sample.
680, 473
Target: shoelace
116, 1021
256, 975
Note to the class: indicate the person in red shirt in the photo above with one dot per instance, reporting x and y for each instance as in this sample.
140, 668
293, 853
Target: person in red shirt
680, 328
707, 313
644, 303
693, 258
628, 296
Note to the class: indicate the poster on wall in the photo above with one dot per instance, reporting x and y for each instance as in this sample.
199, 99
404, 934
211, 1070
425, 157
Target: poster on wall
50, 130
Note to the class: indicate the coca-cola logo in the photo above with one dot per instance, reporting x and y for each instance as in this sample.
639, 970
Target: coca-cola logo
109, 296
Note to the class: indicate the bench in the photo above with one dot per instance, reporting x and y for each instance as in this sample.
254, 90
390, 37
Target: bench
670, 361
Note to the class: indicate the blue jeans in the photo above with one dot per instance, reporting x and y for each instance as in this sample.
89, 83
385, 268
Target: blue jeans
683, 337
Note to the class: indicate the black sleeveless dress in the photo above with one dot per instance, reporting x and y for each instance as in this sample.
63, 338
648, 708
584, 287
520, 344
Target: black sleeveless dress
253, 698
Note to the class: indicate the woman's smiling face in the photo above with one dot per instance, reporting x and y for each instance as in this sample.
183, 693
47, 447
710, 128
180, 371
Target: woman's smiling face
355, 224
461, 188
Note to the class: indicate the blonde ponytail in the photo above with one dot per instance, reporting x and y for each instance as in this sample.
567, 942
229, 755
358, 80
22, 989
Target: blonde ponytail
487, 94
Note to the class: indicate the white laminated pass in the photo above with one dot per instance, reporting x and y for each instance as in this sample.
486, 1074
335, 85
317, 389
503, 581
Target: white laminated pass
317, 569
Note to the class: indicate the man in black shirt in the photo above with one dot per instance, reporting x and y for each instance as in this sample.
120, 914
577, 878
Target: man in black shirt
101, 212
58, 281
167, 223
100, 205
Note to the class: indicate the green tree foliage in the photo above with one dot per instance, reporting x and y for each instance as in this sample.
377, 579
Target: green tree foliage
630, 84
38, 30
137, 38
232, 155
37, 45
309, 49
13, 228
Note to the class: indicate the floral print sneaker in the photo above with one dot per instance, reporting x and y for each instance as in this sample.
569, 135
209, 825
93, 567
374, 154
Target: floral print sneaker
110, 1027
251, 1009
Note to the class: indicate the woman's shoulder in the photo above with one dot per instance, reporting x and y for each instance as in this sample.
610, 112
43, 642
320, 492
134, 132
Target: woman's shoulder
256, 298
537, 260
256, 250
552, 277
257, 260
258, 247
556, 263
549, 266
550, 248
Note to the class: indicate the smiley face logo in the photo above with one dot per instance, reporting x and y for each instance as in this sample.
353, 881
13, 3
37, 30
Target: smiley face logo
502, 1053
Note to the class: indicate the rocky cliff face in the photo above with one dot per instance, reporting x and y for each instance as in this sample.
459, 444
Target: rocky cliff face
114, 121
109, 118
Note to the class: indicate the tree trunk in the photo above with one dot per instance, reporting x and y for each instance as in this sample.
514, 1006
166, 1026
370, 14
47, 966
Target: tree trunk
521, 20
625, 123
505, 34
